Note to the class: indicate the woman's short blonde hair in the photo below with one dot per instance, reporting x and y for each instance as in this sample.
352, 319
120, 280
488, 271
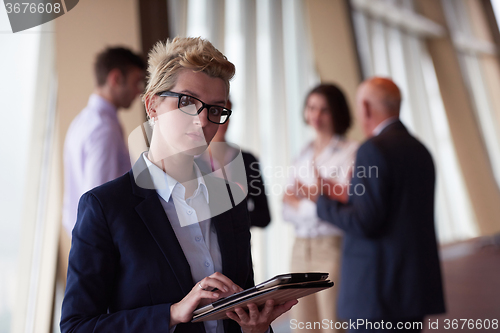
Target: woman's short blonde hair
167, 59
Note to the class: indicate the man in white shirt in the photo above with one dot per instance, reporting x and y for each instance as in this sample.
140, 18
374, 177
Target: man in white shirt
94, 149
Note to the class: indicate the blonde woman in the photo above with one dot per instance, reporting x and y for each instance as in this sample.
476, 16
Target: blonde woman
153, 245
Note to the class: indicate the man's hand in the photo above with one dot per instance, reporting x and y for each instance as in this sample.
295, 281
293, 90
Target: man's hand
255, 321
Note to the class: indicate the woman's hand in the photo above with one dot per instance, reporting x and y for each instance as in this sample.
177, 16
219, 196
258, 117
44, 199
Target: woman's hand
255, 321
182, 312
325, 186
290, 197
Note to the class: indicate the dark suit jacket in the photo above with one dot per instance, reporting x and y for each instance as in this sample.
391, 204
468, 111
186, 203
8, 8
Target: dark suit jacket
259, 215
126, 266
390, 264
256, 194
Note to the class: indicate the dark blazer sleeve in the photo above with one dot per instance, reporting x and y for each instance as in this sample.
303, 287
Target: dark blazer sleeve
366, 211
93, 265
259, 208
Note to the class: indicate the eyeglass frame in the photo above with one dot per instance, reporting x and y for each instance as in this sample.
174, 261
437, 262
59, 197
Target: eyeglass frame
203, 105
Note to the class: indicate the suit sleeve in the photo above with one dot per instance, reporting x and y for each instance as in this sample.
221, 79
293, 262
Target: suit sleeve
366, 211
259, 215
92, 269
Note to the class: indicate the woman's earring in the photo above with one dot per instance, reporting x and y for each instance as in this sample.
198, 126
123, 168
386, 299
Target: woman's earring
152, 120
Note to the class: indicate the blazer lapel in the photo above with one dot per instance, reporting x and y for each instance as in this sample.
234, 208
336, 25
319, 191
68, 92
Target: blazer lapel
153, 215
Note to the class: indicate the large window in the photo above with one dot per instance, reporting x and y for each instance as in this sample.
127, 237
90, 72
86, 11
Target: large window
472, 51
390, 37
27, 250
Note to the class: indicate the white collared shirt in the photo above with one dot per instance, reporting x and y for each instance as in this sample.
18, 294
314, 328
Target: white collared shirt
198, 240
334, 162
380, 127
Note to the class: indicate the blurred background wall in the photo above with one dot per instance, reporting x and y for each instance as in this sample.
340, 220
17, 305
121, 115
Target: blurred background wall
443, 54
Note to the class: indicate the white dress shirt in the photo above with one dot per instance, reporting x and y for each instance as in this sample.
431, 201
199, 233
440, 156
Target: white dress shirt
198, 240
380, 127
94, 153
334, 162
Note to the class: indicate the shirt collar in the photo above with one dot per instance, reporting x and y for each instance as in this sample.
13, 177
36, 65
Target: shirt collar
380, 127
334, 141
165, 184
330, 148
100, 103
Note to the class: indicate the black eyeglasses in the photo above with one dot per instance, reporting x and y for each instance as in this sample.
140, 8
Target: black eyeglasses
193, 106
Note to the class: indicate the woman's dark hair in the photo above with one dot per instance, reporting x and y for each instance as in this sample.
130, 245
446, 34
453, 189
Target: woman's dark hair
337, 104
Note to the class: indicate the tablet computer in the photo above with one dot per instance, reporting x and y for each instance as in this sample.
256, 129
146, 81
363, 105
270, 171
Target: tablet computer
280, 294
289, 279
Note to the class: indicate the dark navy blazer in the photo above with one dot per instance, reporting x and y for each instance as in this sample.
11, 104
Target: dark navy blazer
126, 266
390, 264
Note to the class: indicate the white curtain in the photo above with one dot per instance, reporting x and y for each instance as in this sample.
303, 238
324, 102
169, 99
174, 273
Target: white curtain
30, 217
268, 41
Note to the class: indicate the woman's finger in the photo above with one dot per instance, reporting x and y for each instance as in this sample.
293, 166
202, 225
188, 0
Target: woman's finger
226, 281
209, 283
280, 309
208, 294
268, 308
233, 316
242, 314
253, 311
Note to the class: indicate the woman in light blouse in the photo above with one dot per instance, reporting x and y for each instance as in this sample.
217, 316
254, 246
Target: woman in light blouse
329, 156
